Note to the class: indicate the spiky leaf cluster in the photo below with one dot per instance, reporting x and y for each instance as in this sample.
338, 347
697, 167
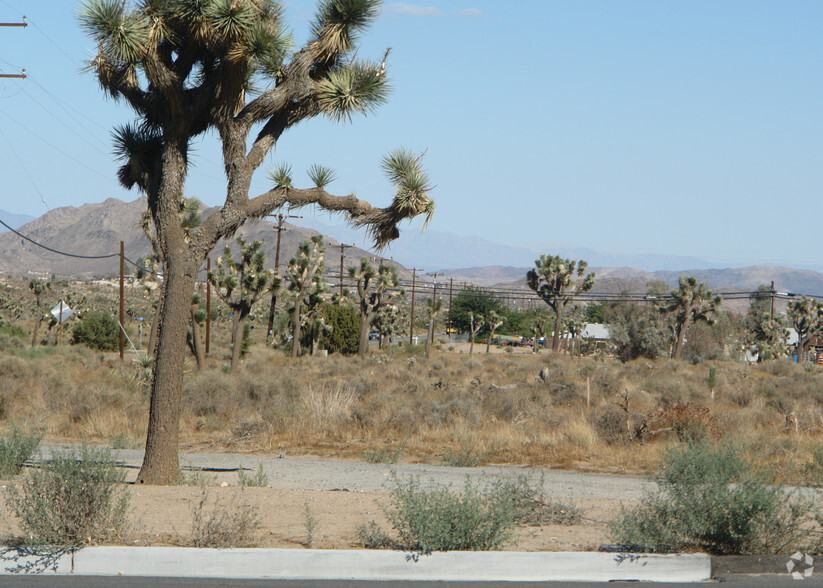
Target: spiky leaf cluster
241, 282
692, 301
557, 280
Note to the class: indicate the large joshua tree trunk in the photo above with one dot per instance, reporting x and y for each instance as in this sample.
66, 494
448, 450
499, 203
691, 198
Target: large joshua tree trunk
160, 463
678, 343
558, 321
237, 337
365, 327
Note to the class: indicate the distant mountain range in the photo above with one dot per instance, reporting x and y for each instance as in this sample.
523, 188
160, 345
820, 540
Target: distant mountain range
436, 250
15, 221
97, 229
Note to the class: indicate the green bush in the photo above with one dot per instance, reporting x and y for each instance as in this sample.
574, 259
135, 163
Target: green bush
711, 498
98, 331
260, 479
385, 455
72, 499
11, 330
344, 336
436, 519
15, 449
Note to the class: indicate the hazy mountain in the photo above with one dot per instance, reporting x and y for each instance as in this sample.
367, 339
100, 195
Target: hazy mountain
15, 221
436, 250
97, 229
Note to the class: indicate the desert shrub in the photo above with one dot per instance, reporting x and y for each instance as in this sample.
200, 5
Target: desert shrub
72, 499
685, 422
386, 454
259, 479
98, 331
712, 498
15, 449
780, 367
371, 536
12, 330
437, 519
535, 509
218, 525
611, 426
344, 336
468, 456
813, 469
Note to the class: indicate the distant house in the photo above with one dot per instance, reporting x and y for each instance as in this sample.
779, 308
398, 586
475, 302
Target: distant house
596, 332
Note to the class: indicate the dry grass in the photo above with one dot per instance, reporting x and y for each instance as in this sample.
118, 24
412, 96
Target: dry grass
480, 405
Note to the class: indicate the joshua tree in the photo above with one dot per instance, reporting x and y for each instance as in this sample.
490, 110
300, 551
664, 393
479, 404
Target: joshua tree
240, 284
373, 295
575, 325
475, 324
690, 303
433, 308
493, 321
192, 67
538, 328
557, 281
305, 273
38, 288
198, 315
806, 315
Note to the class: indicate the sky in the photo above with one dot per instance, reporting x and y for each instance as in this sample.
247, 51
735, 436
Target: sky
685, 127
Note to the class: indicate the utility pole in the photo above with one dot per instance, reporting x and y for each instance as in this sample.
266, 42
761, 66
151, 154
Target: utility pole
281, 218
449, 328
22, 74
414, 271
342, 251
771, 296
208, 304
122, 295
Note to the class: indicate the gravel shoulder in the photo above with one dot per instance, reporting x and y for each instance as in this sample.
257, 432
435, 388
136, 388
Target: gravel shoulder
341, 495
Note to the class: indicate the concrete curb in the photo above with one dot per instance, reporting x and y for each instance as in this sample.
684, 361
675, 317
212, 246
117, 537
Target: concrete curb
293, 564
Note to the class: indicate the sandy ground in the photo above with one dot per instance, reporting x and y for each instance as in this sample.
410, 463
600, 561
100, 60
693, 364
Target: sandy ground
341, 495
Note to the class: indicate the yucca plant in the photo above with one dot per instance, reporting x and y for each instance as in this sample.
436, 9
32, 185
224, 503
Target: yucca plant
229, 66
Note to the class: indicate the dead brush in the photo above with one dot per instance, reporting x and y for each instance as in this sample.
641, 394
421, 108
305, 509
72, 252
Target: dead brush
222, 524
687, 423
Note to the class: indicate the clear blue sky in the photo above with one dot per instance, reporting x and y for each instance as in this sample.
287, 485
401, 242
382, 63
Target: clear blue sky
687, 127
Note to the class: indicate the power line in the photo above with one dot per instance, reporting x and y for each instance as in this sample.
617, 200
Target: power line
47, 248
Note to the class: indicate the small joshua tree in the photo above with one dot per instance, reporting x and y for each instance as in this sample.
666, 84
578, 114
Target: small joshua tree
240, 284
493, 321
557, 281
433, 308
373, 294
38, 288
690, 303
305, 273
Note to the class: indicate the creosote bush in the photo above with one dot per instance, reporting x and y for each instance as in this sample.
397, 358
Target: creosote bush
437, 519
73, 499
221, 525
15, 449
711, 498
98, 331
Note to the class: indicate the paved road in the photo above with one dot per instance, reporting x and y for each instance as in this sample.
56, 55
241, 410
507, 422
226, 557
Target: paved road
309, 473
737, 581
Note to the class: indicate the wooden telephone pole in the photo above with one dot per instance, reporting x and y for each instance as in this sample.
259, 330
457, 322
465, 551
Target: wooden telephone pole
22, 74
281, 218
342, 250
414, 271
